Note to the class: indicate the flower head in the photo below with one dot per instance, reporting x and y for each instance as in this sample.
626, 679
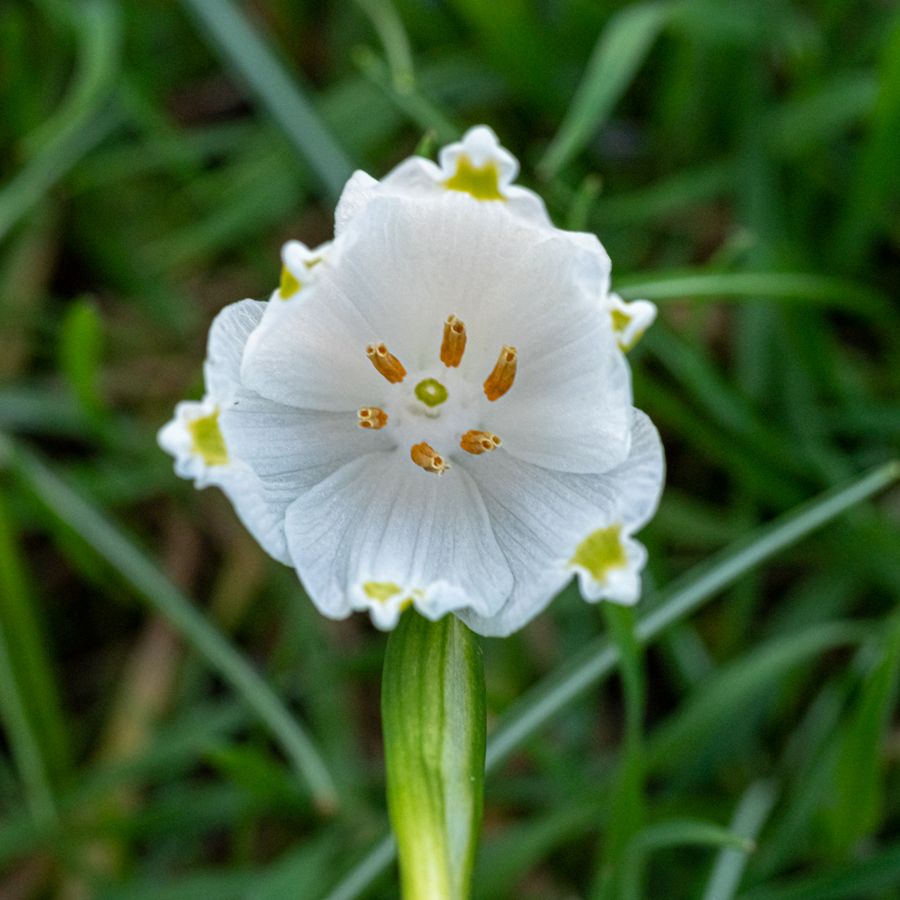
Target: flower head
435, 409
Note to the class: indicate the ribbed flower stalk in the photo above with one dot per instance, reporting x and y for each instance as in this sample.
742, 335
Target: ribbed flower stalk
433, 714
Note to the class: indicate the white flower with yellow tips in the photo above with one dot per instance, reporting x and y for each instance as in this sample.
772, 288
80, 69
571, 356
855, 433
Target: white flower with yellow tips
444, 419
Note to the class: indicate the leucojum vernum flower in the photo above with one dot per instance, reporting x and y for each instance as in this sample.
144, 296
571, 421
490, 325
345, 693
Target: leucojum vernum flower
434, 408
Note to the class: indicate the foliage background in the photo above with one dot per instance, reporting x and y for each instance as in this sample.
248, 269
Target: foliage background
738, 160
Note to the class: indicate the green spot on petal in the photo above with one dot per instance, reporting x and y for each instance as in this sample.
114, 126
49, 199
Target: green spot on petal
482, 182
620, 320
289, 285
382, 591
431, 392
207, 440
601, 551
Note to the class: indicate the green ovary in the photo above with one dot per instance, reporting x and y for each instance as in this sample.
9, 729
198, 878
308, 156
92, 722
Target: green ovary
431, 392
483, 182
207, 440
600, 552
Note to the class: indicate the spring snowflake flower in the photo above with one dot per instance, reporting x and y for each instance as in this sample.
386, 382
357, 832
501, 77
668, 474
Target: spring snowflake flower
434, 409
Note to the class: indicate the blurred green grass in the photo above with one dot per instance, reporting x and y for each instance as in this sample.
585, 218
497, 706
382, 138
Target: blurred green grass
739, 162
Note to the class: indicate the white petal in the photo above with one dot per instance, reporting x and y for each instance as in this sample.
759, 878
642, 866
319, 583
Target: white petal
570, 406
300, 268
228, 336
481, 146
357, 192
239, 483
176, 439
291, 450
630, 320
262, 518
417, 177
540, 517
419, 537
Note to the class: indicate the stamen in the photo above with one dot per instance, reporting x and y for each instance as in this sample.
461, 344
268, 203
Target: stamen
371, 417
477, 442
386, 363
501, 378
424, 456
454, 343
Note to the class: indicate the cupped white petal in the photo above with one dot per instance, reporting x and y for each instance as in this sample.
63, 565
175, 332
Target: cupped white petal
300, 267
254, 507
541, 518
291, 450
570, 406
194, 437
480, 147
477, 166
630, 320
380, 534
357, 192
228, 336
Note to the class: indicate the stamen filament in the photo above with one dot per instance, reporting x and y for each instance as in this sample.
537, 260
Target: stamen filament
478, 442
371, 417
454, 342
424, 456
386, 363
501, 378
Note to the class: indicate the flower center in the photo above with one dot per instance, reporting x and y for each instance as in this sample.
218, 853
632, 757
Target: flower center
441, 427
431, 392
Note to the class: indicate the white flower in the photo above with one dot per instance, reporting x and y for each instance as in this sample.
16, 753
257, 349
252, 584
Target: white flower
444, 419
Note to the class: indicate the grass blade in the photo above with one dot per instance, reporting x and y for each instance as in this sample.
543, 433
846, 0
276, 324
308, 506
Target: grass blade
108, 541
875, 174
622, 47
868, 878
226, 27
749, 817
387, 23
675, 833
82, 122
25, 744
30, 651
858, 789
797, 286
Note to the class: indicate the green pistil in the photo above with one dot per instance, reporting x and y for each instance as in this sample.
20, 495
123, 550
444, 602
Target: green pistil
431, 392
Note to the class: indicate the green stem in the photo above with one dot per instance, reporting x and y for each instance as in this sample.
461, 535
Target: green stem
433, 714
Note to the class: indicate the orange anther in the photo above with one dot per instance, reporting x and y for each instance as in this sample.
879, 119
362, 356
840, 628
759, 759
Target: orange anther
424, 456
371, 417
386, 363
477, 442
501, 378
454, 342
